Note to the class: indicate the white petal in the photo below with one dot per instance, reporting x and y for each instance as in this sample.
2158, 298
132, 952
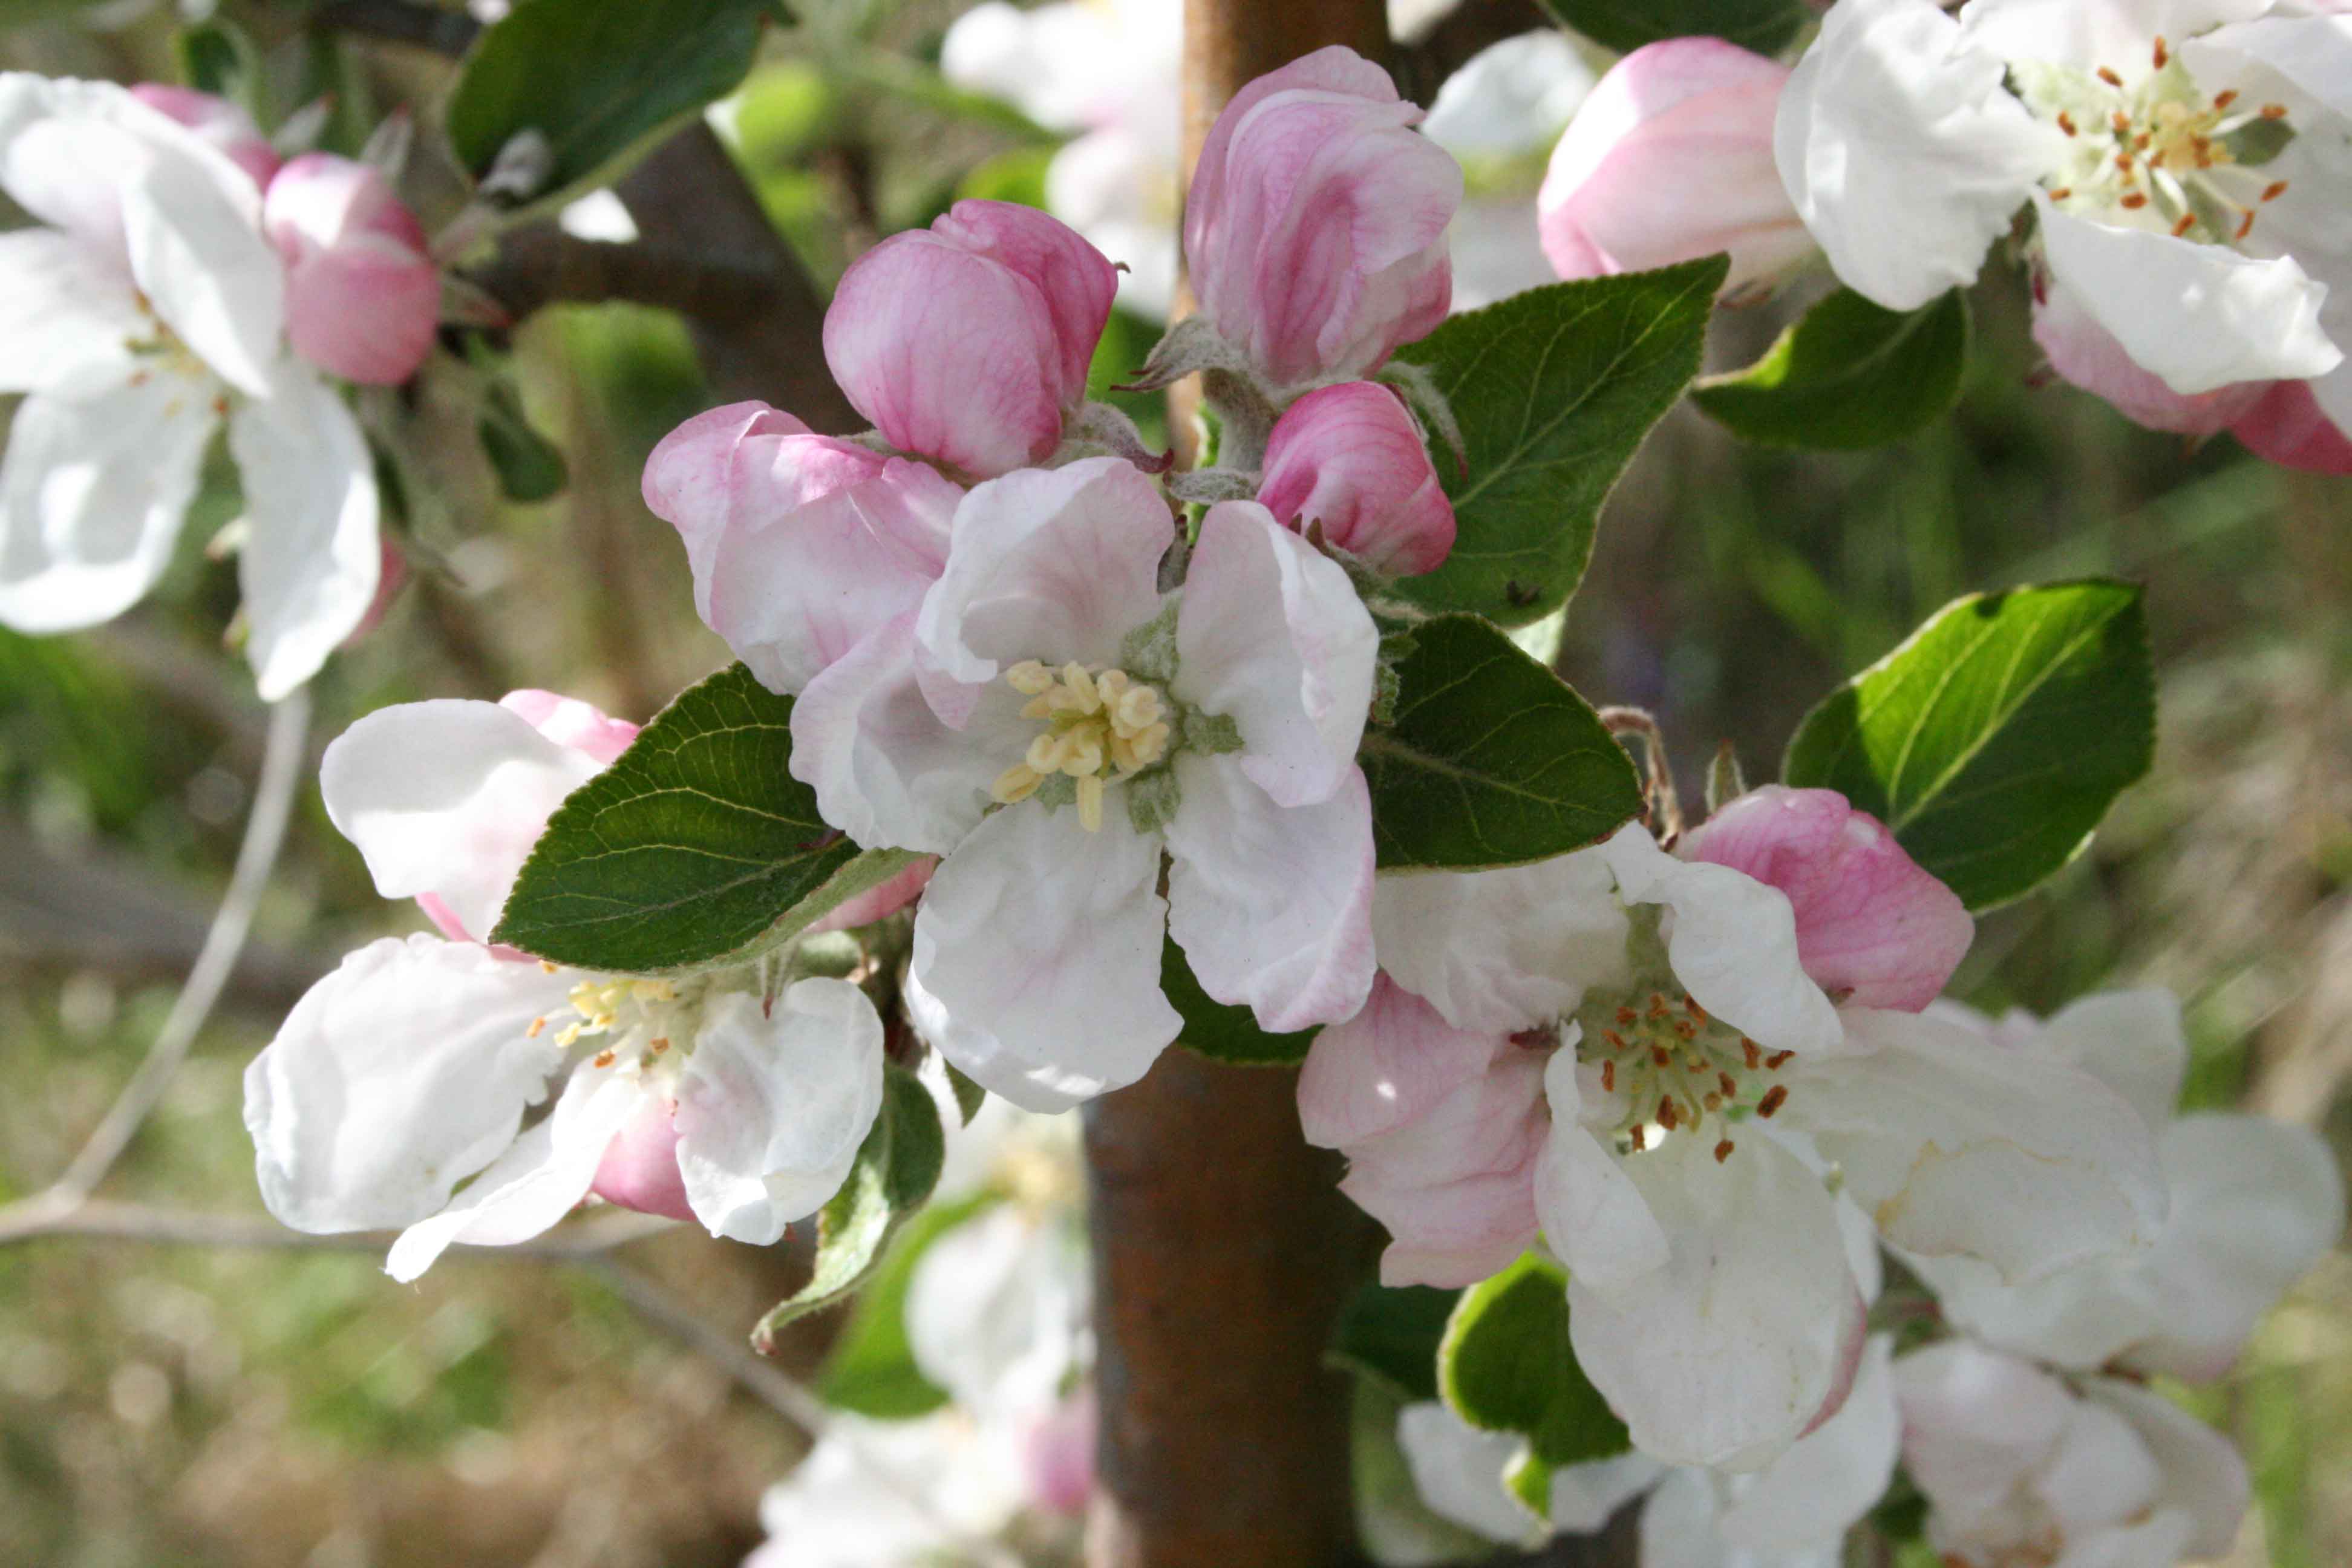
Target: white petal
773, 1104
2196, 316
1503, 950
1592, 1213
1272, 634
1732, 941
2088, 34
1976, 1424
538, 1181
446, 799
1680, 1525
1584, 1497
1053, 564
2200, 1469
312, 560
1805, 1501
1037, 953
887, 770
2100, 1474
192, 222
2312, 53
60, 314
1726, 1353
996, 1310
2132, 1041
1458, 1471
1903, 150
1389, 1065
96, 480
393, 1079
1955, 1144
1272, 905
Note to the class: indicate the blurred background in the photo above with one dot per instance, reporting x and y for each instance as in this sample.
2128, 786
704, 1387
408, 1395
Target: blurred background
232, 1408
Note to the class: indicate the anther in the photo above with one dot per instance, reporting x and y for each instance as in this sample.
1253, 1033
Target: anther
2275, 192
1714, 1101
2274, 111
2163, 54
2107, 75
1660, 1055
1773, 1100
1639, 1138
1722, 1152
1725, 1083
2223, 99
547, 966
1616, 1041
1668, 1113
1657, 1005
1752, 1051
2187, 221
1685, 1029
2246, 227
536, 1026
2066, 123
1627, 1016
2119, 123
661, 1044
1690, 1005
1773, 1063
603, 1059
1608, 1076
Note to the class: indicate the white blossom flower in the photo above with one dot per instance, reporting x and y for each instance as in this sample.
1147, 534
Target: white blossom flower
148, 308
418, 1063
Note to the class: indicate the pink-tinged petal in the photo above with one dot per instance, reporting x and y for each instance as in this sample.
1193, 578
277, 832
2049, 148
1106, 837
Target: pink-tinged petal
1389, 1065
1350, 458
1314, 229
1272, 904
691, 480
1057, 1455
1455, 1184
879, 902
1272, 634
1671, 159
570, 723
217, 122
639, 1170
969, 342
1451, 1235
1872, 928
362, 294
1498, 951
2286, 426
1037, 952
2086, 354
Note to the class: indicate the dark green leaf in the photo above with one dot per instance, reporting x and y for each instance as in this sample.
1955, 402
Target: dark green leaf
968, 1096
1850, 375
871, 1368
1491, 760
1763, 25
697, 848
1994, 740
530, 466
216, 56
895, 1169
1392, 1334
1553, 389
1505, 1366
596, 79
1218, 1031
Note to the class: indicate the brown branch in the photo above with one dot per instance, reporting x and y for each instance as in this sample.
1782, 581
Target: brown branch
1421, 66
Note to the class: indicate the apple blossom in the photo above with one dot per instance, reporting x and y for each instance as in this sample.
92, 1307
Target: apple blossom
1314, 229
150, 309
1349, 460
2286, 426
1671, 159
2184, 164
217, 121
1048, 720
1695, 1077
969, 342
417, 1063
2254, 1204
362, 294
2019, 1467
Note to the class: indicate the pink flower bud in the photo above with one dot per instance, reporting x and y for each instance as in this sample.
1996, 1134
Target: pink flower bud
1872, 928
1349, 457
1670, 159
217, 121
363, 296
1058, 1455
2287, 427
639, 1170
1316, 228
2086, 353
969, 342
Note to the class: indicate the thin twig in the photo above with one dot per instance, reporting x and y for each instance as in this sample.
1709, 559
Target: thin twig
265, 833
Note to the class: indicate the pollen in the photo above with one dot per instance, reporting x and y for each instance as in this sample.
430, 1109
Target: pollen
2107, 74
1099, 726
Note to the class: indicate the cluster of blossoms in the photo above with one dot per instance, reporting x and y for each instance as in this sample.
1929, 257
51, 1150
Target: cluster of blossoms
180, 275
2180, 172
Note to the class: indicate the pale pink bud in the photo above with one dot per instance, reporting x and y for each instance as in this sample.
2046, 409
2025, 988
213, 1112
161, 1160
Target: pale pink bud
1872, 927
363, 296
1058, 1455
2286, 426
876, 903
2086, 354
1669, 159
969, 342
1349, 457
217, 121
1315, 232
639, 1170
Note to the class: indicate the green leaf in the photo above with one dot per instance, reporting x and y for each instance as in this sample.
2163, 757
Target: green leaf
1505, 1366
968, 1096
1221, 1032
1392, 1334
1553, 389
1850, 375
1763, 25
216, 56
895, 1169
530, 466
871, 1368
596, 79
1994, 740
1491, 759
697, 848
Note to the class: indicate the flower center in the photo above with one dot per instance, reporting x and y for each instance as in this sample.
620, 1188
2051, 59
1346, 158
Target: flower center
1671, 1067
639, 1017
2157, 154
1099, 726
